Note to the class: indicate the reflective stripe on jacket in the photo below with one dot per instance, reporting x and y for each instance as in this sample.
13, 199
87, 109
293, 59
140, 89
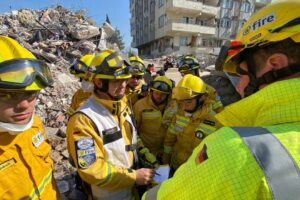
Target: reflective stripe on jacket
110, 128
226, 165
26, 166
186, 132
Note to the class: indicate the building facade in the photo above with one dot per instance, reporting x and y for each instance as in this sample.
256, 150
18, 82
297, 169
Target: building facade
161, 27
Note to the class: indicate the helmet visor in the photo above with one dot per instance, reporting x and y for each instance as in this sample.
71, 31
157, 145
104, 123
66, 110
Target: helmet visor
161, 87
79, 68
19, 73
137, 68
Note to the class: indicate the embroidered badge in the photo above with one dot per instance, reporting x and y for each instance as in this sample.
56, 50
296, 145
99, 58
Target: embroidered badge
7, 163
86, 153
38, 139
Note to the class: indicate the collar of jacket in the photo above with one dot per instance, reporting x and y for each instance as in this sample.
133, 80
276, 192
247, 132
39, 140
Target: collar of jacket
161, 107
277, 103
114, 107
201, 112
136, 89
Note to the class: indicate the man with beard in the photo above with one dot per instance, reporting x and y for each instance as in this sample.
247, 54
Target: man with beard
148, 114
101, 135
136, 82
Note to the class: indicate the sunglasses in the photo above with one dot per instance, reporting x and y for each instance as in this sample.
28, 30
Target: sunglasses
17, 96
136, 77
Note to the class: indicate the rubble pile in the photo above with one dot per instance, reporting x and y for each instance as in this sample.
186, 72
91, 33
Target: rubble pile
58, 36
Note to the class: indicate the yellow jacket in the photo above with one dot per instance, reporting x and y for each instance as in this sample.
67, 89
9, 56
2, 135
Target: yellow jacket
78, 99
148, 118
133, 93
223, 165
187, 131
98, 170
214, 97
26, 169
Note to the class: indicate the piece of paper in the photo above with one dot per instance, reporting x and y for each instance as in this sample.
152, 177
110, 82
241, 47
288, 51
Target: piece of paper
161, 174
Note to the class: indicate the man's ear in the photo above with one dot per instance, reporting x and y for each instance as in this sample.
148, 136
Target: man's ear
274, 62
98, 82
278, 61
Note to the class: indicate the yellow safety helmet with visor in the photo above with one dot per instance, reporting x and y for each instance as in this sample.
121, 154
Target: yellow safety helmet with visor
275, 22
19, 69
161, 84
82, 68
188, 63
137, 66
110, 64
189, 87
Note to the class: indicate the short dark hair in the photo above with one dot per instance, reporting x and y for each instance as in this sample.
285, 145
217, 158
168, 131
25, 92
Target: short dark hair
287, 47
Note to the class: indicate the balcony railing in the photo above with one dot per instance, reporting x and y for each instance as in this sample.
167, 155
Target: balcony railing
191, 7
176, 26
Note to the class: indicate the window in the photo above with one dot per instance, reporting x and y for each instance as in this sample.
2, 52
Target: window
225, 22
160, 3
246, 7
183, 40
145, 5
185, 20
227, 4
161, 21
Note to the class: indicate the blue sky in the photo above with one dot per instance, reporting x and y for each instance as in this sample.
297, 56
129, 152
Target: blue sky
117, 10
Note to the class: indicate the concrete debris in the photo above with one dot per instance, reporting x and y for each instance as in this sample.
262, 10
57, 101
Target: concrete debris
57, 36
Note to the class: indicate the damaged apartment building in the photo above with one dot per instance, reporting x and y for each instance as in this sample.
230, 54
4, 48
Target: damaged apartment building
162, 27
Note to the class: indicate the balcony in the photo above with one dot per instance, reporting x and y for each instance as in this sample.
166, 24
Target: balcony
191, 7
174, 28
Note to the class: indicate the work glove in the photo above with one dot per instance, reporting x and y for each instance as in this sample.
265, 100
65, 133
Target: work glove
147, 159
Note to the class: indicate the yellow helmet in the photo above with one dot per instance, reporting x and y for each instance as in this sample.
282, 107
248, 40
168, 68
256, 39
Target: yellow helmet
137, 66
275, 22
188, 63
161, 84
82, 67
19, 69
110, 64
189, 87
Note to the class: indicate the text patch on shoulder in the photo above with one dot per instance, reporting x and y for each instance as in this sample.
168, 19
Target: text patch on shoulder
86, 153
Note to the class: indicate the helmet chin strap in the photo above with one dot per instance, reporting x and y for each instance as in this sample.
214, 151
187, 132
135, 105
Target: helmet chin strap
268, 77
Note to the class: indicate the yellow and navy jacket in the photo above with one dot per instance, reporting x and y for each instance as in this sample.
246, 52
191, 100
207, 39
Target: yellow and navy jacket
26, 169
255, 157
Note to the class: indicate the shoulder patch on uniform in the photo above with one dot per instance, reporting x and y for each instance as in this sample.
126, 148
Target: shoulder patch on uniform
208, 122
86, 153
7, 163
202, 155
38, 139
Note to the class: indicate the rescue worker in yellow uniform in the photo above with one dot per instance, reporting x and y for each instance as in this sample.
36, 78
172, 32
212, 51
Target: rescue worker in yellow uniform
191, 124
190, 65
26, 169
101, 135
148, 114
81, 69
136, 82
257, 155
